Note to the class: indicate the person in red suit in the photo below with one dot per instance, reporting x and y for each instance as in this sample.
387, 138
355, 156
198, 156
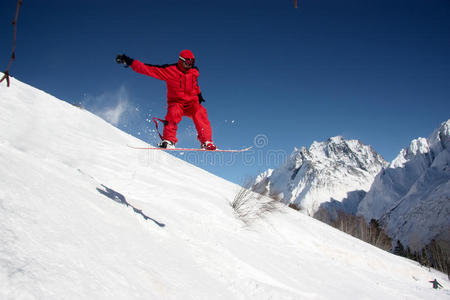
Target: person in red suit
184, 97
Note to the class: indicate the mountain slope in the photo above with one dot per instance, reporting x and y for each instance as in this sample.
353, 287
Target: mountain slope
411, 197
84, 216
334, 172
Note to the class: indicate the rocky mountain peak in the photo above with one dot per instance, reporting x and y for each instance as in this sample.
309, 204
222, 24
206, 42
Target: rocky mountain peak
410, 198
325, 172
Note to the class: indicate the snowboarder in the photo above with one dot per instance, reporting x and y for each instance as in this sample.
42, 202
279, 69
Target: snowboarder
436, 284
184, 97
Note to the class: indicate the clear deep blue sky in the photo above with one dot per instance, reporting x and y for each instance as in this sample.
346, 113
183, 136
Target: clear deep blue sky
373, 70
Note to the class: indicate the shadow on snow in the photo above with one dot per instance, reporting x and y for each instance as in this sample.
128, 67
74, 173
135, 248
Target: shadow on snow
119, 198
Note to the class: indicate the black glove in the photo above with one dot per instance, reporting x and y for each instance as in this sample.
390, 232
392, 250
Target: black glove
123, 59
200, 98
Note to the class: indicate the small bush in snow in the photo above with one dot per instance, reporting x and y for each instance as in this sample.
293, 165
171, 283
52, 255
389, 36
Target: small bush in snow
249, 205
295, 206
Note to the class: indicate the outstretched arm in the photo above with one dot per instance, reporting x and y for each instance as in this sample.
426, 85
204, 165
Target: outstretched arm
157, 72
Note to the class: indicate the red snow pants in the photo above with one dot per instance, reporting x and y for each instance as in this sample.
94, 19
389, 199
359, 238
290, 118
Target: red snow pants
194, 110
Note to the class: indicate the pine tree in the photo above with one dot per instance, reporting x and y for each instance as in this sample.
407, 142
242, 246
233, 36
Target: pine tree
409, 253
399, 249
424, 260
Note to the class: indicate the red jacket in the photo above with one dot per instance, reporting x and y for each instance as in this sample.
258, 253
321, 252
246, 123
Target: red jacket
182, 84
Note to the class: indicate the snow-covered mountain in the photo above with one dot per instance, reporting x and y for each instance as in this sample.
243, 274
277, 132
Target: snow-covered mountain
83, 216
411, 197
334, 172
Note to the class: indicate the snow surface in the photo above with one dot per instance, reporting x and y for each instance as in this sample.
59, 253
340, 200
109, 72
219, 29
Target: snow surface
83, 216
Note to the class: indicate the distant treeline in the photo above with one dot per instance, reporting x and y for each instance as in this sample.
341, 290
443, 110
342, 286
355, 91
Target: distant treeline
432, 255
356, 226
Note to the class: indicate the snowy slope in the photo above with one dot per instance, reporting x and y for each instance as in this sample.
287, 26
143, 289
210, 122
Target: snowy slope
411, 197
333, 172
82, 216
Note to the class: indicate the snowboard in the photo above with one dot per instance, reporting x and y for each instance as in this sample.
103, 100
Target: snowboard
190, 149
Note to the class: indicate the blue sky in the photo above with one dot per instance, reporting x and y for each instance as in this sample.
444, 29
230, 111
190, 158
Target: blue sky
377, 71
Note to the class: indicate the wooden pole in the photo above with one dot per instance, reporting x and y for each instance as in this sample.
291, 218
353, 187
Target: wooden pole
13, 55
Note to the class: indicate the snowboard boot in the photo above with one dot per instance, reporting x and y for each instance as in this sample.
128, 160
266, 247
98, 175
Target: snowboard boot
166, 144
209, 145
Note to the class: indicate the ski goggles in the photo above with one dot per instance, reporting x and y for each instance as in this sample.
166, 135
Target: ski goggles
188, 61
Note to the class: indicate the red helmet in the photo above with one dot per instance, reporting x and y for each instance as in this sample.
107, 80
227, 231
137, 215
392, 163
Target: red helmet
187, 54
187, 58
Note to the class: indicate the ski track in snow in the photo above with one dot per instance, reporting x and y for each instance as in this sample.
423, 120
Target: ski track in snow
84, 216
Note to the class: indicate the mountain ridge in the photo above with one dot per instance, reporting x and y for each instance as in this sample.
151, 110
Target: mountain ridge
348, 176
411, 196
328, 170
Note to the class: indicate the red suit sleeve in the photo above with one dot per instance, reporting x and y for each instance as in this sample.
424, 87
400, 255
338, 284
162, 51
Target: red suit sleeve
149, 70
198, 87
